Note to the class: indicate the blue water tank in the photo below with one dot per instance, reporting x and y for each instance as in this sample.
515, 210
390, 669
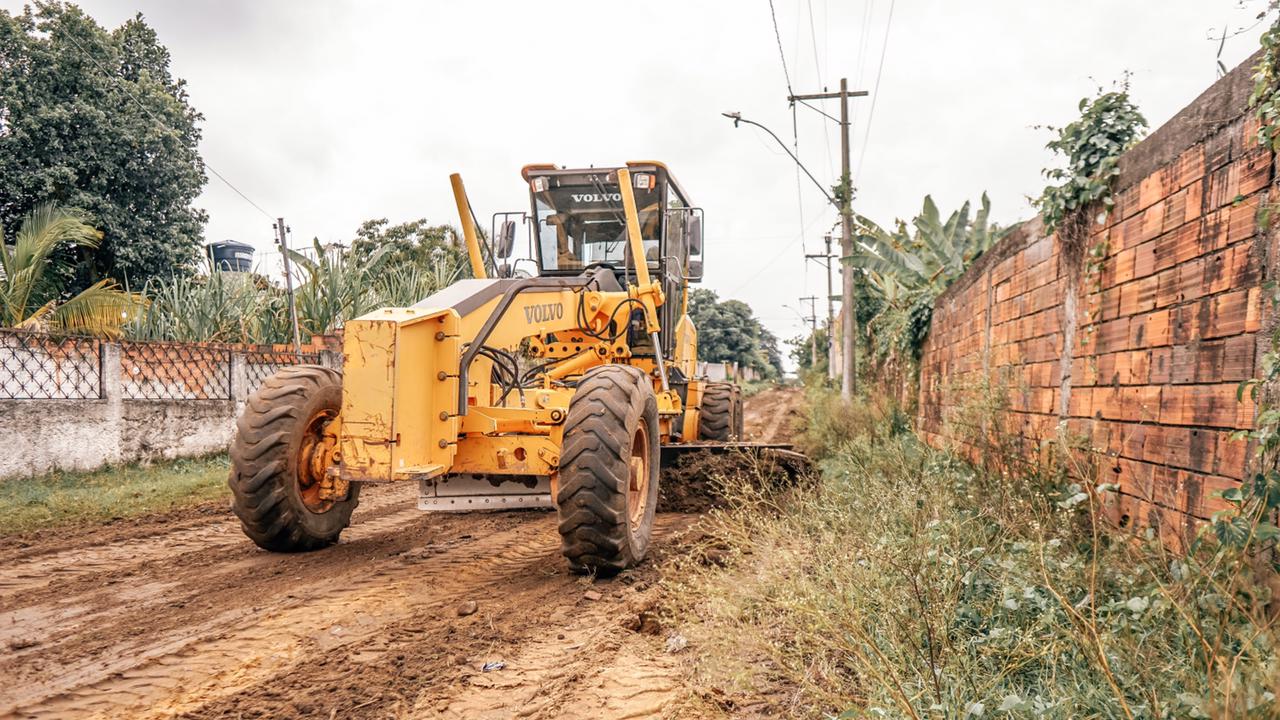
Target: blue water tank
231, 256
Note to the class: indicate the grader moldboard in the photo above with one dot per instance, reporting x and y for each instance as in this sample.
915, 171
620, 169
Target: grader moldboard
563, 387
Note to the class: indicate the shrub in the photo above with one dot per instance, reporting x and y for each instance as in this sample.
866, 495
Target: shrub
908, 583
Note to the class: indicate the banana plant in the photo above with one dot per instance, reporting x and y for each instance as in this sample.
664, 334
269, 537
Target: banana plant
29, 297
908, 267
928, 253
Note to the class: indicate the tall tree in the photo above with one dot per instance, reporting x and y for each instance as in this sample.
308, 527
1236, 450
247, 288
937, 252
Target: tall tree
95, 121
416, 243
729, 332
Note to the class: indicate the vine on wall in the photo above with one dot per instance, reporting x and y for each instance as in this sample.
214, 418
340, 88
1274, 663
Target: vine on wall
1109, 124
1249, 521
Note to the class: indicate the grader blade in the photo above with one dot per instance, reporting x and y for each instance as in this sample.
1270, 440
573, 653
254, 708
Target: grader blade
784, 455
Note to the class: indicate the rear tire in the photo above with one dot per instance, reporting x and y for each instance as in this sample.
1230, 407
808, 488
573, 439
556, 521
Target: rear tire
608, 476
273, 480
720, 417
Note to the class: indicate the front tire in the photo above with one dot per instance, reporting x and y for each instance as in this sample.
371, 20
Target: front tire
278, 459
608, 477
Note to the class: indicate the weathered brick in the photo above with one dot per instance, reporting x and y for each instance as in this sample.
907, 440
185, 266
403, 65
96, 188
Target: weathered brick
1230, 315
1224, 186
1113, 335
1253, 310
1080, 404
1120, 269
1203, 494
1161, 366
1232, 456
1163, 337
1255, 171
1235, 267
1135, 403
1152, 223
1175, 211
1195, 200
1167, 288
1229, 360
1154, 329
1192, 321
1182, 447
1205, 405
1108, 304
1138, 296
1178, 246
1214, 231
1144, 260
1151, 189
1242, 220
1191, 279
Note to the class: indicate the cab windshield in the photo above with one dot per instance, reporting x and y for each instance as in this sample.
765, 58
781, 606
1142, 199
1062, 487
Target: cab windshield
581, 224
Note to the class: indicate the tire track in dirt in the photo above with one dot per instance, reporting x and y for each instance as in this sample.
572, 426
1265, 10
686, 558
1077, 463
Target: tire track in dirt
772, 414
190, 619
62, 615
57, 567
234, 646
209, 662
591, 669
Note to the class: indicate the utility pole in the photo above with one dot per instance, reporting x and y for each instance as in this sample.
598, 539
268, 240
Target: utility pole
825, 261
849, 326
813, 327
281, 231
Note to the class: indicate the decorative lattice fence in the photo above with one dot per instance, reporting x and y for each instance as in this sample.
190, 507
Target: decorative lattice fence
44, 367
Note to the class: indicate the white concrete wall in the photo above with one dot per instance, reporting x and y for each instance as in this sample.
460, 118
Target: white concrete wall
45, 435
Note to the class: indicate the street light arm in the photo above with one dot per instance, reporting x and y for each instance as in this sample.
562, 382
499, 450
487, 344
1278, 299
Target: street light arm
737, 118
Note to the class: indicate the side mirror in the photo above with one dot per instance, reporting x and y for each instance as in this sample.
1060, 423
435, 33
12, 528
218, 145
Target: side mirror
695, 235
506, 239
695, 271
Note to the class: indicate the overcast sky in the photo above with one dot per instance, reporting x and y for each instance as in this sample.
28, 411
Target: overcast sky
330, 113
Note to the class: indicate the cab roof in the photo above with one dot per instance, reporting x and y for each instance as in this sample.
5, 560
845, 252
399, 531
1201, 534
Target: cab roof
546, 169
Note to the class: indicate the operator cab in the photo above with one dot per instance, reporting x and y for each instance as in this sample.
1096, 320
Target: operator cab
578, 222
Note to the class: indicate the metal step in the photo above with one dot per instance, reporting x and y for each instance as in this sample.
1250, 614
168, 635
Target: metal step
468, 493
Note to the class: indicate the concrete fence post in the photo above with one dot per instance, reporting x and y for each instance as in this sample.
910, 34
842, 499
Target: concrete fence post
331, 359
239, 380
111, 381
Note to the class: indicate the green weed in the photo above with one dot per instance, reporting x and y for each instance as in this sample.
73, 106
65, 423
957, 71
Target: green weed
62, 498
911, 583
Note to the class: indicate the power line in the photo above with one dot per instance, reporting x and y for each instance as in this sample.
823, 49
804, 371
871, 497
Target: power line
165, 127
789, 247
866, 134
795, 132
817, 66
781, 55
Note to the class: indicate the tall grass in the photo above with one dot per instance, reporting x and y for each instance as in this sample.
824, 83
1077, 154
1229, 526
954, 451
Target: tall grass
60, 497
910, 583
247, 308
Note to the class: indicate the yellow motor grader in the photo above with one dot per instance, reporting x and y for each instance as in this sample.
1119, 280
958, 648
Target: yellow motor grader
557, 383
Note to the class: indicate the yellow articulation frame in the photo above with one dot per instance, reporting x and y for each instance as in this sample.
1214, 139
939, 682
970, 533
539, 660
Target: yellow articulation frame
405, 413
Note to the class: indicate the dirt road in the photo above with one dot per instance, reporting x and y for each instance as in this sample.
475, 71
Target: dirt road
181, 616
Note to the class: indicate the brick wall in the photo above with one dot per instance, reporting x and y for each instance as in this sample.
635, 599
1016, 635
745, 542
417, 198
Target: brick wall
1142, 359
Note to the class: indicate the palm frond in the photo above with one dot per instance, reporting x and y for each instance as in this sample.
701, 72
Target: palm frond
100, 309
